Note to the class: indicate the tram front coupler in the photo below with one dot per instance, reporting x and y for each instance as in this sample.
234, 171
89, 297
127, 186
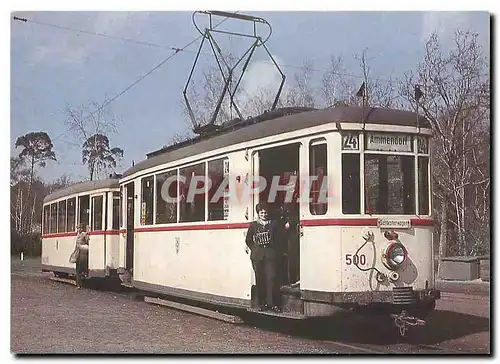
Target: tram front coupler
404, 322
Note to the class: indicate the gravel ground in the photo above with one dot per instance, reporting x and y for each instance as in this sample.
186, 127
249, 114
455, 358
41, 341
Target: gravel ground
53, 317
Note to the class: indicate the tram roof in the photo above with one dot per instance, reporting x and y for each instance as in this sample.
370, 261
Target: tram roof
274, 123
82, 187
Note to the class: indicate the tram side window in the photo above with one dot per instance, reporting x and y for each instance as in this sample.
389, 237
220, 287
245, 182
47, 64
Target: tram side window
121, 207
166, 197
423, 185
53, 218
96, 216
216, 198
319, 185
351, 194
191, 202
61, 217
46, 219
389, 181
116, 211
147, 189
71, 213
84, 210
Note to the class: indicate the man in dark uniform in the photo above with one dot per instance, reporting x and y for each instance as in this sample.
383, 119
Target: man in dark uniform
262, 240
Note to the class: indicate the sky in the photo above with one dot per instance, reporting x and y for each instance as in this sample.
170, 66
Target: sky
52, 68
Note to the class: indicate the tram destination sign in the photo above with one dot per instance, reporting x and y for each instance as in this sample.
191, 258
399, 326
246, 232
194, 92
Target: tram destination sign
389, 142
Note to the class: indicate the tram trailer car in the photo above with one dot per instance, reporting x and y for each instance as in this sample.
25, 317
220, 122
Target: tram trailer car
93, 203
370, 246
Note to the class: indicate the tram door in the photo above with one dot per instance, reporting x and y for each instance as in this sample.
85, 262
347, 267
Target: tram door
129, 261
97, 248
281, 164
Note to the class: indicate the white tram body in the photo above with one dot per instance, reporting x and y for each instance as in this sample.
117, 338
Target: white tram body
93, 203
370, 245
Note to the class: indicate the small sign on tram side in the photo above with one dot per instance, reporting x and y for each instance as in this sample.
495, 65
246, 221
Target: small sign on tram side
350, 141
226, 191
387, 223
422, 145
388, 142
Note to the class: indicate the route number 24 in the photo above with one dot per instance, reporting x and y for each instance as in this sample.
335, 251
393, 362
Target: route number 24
350, 141
355, 259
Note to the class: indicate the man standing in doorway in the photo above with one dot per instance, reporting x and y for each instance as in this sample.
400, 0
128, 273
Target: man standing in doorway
262, 240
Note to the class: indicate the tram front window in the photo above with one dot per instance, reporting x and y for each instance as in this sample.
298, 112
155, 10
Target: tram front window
389, 181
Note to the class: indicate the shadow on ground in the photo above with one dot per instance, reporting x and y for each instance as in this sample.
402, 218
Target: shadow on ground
440, 326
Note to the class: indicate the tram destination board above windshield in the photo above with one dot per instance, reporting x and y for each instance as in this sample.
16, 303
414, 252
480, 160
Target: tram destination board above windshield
388, 142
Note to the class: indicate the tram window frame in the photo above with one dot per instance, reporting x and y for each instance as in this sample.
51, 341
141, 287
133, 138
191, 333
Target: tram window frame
53, 218
406, 178
351, 183
46, 219
147, 200
351, 145
315, 147
61, 216
71, 217
166, 212
196, 212
120, 216
115, 210
216, 171
423, 185
97, 224
84, 214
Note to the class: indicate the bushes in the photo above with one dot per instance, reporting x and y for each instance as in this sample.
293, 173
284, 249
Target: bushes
30, 244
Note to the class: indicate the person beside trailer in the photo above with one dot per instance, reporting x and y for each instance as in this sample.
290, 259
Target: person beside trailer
80, 254
262, 240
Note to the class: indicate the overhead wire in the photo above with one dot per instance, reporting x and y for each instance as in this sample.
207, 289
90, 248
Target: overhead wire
176, 51
151, 44
88, 32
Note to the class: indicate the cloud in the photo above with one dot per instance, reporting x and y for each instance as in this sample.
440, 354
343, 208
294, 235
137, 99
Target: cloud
444, 23
120, 23
261, 75
67, 47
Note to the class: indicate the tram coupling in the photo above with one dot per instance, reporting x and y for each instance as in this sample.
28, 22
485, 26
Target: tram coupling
403, 322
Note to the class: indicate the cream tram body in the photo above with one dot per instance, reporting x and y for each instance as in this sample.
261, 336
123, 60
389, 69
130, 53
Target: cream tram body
342, 245
93, 203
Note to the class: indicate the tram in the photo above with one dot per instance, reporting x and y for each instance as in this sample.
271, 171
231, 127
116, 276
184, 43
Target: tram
96, 204
367, 247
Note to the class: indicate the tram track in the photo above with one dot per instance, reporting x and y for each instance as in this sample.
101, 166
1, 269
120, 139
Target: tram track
323, 340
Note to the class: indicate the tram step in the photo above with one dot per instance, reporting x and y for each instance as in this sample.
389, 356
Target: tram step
197, 310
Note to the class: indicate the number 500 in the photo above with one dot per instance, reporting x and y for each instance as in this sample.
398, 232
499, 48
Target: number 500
356, 259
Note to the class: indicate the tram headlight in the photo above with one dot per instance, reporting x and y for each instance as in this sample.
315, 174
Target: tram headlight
395, 255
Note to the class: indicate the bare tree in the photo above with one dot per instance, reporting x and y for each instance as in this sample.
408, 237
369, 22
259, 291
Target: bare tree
301, 92
206, 88
456, 100
19, 184
62, 181
332, 86
92, 121
379, 93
